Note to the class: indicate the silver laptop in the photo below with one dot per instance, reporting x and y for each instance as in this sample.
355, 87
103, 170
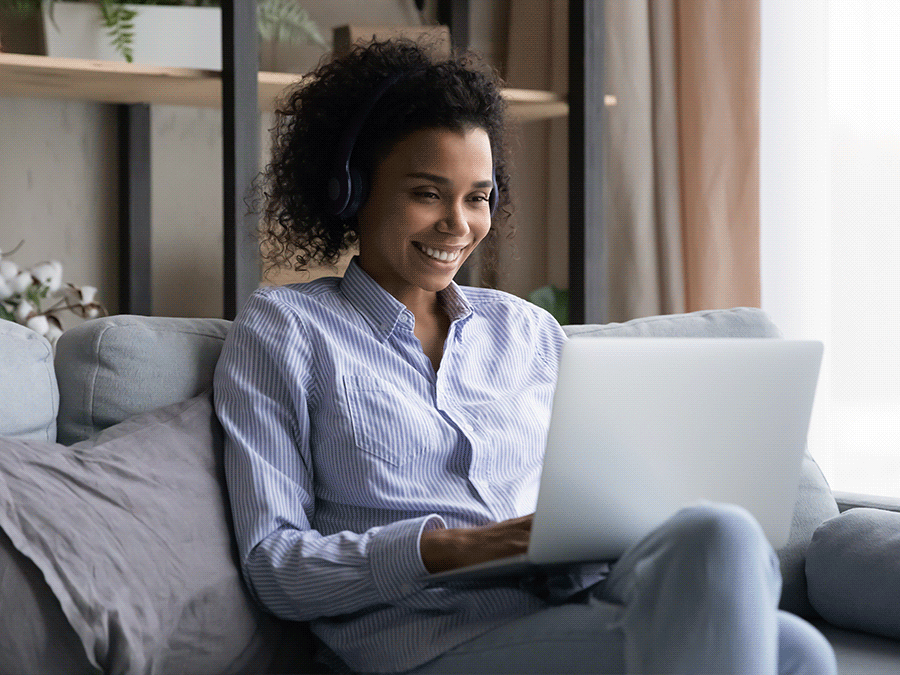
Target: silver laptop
641, 427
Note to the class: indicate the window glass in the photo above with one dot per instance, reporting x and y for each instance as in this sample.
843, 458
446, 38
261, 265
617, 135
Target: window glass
831, 230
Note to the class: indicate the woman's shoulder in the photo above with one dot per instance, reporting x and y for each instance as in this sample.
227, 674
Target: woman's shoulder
493, 301
296, 296
503, 315
477, 296
511, 314
288, 306
298, 292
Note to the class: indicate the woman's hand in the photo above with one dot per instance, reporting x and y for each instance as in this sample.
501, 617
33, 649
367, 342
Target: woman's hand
448, 549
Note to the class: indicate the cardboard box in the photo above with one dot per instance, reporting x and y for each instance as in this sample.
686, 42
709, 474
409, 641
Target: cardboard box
436, 37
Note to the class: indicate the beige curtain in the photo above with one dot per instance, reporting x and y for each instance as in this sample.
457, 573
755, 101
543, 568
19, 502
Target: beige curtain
683, 155
682, 152
718, 102
642, 191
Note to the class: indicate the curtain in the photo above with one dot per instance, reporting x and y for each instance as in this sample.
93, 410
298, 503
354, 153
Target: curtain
718, 102
683, 155
681, 183
645, 270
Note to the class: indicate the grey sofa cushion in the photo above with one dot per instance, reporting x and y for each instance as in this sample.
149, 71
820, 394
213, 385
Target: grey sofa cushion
815, 502
131, 531
853, 568
29, 397
747, 322
112, 368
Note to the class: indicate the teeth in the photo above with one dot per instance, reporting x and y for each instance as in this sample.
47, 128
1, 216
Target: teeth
443, 256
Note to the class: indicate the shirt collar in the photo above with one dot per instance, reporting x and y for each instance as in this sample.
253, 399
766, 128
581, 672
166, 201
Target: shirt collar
383, 311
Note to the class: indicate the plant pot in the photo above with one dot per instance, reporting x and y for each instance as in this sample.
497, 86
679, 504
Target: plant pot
187, 37
183, 37
281, 57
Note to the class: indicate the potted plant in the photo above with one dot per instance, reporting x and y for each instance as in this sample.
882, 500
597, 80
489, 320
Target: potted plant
111, 29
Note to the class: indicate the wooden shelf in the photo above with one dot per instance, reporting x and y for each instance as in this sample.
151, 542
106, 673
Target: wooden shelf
527, 104
114, 82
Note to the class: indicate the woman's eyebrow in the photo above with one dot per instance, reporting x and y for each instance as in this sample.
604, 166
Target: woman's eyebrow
446, 181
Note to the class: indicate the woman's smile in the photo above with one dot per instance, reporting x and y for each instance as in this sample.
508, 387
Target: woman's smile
438, 254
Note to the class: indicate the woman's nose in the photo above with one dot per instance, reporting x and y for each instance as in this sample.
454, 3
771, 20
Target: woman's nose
455, 220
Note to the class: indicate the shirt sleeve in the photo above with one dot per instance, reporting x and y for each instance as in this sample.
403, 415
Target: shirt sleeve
263, 383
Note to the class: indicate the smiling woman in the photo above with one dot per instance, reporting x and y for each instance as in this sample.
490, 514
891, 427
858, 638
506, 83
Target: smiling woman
389, 424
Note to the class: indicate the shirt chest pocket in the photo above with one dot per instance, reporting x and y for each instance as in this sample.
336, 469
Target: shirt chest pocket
387, 422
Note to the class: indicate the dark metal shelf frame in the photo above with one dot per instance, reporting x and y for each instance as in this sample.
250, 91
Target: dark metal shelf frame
588, 299
240, 122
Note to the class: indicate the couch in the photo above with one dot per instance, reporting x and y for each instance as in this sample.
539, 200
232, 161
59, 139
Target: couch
116, 553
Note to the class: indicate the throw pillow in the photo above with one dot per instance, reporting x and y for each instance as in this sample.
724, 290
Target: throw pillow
35, 637
131, 531
29, 396
853, 571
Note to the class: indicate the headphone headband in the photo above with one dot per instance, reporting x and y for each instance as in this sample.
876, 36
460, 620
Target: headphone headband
340, 185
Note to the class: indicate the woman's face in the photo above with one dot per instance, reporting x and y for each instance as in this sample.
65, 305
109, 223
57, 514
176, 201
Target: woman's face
427, 210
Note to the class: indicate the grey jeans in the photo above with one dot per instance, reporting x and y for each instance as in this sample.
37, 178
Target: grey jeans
698, 595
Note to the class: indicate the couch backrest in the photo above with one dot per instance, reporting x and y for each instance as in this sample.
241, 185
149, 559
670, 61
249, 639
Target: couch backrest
29, 397
112, 368
739, 322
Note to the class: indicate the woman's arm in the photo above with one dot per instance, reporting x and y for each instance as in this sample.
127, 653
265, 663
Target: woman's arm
447, 549
263, 385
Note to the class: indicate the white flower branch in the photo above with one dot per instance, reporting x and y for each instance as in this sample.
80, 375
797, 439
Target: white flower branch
23, 291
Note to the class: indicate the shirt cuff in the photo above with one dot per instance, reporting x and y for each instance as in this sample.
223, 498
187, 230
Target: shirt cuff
395, 556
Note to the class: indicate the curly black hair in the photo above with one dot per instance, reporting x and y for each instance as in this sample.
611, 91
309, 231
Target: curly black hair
456, 93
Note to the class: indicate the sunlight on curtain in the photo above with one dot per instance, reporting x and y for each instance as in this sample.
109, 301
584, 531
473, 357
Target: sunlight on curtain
831, 220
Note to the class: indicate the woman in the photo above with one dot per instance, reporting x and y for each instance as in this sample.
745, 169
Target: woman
390, 423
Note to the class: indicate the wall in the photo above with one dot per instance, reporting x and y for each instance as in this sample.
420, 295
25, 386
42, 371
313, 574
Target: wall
58, 171
58, 188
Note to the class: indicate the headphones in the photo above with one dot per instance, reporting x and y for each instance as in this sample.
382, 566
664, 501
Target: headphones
346, 187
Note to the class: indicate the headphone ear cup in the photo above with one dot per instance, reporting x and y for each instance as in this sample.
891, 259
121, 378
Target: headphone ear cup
338, 193
494, 197
358, 189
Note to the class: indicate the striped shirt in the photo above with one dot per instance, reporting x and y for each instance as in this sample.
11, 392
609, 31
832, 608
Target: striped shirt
343, 444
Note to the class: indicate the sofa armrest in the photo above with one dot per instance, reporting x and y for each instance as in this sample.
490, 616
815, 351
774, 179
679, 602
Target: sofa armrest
853, 500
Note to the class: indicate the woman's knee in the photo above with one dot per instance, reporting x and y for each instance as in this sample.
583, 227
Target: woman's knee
720, 527
717, 549
726, 552
803, 650
729, 539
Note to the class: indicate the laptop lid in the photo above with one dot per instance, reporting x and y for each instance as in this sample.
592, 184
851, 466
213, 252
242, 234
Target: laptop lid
641, 427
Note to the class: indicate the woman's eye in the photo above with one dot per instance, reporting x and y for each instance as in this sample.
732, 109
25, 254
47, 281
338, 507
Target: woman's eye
427, 195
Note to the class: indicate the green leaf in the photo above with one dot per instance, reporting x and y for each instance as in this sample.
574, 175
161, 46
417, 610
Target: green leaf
554, 300
120, 21
287, 21
34, 294
21, 8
